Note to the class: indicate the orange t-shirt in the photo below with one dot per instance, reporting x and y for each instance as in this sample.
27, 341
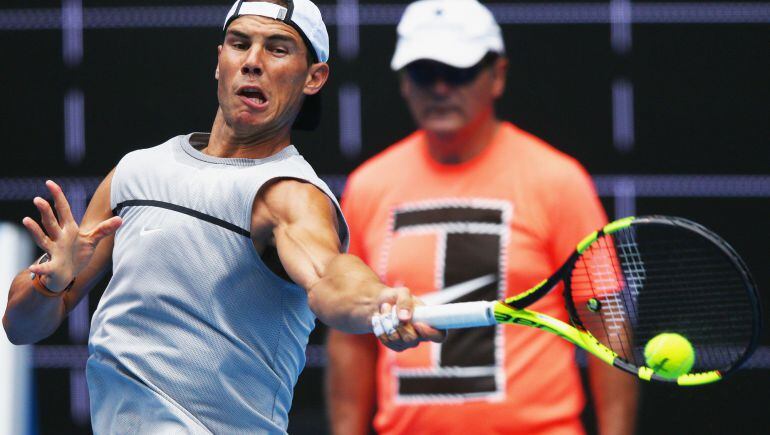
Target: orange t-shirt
516, 210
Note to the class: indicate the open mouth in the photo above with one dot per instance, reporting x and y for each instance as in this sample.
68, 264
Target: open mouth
253, 94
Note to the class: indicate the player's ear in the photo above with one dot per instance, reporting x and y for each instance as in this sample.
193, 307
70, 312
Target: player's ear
219, 53
317, 75
499, 74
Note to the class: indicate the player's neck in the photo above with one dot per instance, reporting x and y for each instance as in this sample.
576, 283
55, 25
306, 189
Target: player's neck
226, 142
466, 143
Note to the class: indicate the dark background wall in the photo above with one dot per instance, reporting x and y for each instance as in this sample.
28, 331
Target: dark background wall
666, 103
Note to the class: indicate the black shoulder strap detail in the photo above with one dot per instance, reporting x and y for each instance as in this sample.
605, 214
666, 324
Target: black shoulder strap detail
178, 208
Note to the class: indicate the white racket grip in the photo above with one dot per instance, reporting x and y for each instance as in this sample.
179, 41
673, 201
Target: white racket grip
459, 315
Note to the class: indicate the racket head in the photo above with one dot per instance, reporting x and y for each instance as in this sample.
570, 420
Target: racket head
641, 277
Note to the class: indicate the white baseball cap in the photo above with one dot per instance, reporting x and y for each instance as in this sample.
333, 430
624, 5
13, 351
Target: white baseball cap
458, 33
303, 15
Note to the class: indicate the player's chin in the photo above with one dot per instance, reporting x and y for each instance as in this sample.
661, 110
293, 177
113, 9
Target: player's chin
247, 121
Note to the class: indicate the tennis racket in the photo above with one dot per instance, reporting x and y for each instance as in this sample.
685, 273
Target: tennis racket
630, 281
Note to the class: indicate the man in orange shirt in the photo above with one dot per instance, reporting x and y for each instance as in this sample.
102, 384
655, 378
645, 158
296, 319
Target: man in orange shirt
465, 196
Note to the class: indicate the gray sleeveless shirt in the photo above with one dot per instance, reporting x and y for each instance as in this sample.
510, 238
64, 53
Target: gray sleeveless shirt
194, 333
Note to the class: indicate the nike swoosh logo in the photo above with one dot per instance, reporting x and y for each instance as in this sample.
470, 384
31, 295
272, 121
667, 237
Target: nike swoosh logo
457, 291
146, 231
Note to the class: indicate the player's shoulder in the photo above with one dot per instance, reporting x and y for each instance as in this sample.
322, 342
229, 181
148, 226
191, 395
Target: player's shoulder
388, 162
142, 161
153, 152
291, 194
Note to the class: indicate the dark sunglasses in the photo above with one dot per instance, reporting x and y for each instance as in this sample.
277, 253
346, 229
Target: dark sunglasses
427, 72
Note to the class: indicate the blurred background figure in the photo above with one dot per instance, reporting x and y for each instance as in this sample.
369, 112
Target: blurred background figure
465, 196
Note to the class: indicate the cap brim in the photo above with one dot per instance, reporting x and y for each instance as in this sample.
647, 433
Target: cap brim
447, 51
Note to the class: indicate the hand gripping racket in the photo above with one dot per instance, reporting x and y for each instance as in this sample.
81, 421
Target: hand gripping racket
628, 282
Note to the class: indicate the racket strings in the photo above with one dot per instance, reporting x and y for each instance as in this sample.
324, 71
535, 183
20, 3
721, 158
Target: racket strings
600, 274
644, 280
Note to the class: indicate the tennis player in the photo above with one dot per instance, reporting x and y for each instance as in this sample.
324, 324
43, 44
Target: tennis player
224, 247
466, 196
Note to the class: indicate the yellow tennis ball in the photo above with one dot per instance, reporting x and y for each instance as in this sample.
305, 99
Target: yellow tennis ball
669, 355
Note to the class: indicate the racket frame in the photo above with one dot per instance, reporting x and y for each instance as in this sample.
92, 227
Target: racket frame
512, 310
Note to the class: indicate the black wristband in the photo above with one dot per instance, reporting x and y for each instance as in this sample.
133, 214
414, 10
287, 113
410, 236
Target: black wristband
38, 284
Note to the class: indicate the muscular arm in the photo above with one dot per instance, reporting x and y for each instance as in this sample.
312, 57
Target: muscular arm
350, 382
342, 291
615, 398
31, 316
